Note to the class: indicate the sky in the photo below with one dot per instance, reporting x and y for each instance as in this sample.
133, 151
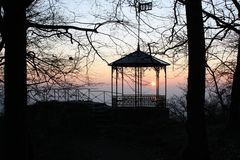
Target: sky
122, 39
91, 11
176, 78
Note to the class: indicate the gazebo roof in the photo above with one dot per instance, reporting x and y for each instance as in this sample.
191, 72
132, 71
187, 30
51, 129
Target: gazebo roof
139, 59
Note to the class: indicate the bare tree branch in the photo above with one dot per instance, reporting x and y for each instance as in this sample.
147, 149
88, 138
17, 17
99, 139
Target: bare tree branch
56, 27
96, 51
236, 3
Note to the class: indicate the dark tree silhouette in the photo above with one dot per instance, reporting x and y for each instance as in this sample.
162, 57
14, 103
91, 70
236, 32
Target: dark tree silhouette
197, 147
222, 19
234, 117
228, 21
14, 35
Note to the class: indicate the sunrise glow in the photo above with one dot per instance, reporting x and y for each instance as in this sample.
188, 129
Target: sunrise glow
153, 83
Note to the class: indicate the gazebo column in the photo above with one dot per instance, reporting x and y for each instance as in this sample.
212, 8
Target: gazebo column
165, 101
114, 94
122, 83
138, 86
112, 86
141, 75
157, 81
117, 86
135, 100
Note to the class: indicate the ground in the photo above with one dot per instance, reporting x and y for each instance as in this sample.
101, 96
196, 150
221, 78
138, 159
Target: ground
73, 132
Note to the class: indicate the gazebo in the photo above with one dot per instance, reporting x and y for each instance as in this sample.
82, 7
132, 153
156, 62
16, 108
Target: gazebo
137, 61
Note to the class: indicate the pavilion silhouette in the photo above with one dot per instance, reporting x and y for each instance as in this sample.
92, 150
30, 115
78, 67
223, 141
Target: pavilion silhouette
137, 60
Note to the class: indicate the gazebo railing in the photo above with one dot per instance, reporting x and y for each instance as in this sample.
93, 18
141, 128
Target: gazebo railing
69, 94
138, 101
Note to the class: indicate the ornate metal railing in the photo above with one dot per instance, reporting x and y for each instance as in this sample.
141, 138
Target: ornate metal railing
87, 94
69, 94
139, 101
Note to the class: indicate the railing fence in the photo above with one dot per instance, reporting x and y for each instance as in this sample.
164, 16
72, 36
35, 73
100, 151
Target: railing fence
69, 94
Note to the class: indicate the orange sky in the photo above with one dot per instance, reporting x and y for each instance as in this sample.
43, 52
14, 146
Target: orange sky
101, 72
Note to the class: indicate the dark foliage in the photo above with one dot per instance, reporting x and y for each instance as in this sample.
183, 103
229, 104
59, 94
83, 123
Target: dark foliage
71, 131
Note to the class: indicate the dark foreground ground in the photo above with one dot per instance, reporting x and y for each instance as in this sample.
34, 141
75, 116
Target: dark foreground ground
82, 131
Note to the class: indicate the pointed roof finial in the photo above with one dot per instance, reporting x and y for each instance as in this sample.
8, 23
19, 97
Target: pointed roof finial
138, 47
139, 8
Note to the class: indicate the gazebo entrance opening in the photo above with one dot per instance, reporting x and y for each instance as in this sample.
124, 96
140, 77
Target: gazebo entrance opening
137, 61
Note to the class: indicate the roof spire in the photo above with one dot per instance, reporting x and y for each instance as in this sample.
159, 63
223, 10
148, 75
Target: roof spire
139, 8
138, 46
138, 19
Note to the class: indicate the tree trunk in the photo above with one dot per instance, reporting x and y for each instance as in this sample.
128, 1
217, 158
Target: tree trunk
197, 147
15, 79
234, 114
219, 95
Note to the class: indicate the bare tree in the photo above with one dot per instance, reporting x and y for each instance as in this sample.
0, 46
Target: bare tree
234, 120
225, 15
197, 147
16, 57
221, 25
15, 78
